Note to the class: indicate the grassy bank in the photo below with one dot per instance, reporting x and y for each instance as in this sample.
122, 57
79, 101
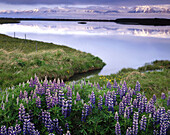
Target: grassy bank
154, 78
19, 60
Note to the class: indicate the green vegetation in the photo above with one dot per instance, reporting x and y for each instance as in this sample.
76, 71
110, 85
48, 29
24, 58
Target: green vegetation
82, 108
19, 60
153, 77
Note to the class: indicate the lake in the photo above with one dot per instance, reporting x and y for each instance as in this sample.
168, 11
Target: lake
119, 46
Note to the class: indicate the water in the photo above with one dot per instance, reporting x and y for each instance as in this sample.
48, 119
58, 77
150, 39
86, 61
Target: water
119, 46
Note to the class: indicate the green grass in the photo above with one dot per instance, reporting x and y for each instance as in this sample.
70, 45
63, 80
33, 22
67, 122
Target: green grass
19, 60
152, 82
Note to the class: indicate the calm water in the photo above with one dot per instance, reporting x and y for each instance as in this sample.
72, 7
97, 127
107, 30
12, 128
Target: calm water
119, 46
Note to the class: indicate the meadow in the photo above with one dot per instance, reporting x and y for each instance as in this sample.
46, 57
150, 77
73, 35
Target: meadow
20, 59
110, 106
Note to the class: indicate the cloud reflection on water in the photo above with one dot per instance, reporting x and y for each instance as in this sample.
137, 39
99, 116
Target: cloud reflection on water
91, 28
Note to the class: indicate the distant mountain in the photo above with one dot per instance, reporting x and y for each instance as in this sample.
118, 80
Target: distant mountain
90, 11
150, 9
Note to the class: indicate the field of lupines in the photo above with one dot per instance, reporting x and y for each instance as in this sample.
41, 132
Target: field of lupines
53, 107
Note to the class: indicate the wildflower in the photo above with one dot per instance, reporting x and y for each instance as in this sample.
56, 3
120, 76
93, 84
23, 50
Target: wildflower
78, 97
38, 102
163, 96
116, 116
143, 123
117, 129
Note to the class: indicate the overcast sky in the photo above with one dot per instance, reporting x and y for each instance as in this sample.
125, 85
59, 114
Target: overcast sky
27, 4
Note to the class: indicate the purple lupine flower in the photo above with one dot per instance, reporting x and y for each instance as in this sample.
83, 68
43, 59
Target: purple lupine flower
78, 97
121, 108
141, 107
38, 102
154, 98
21, 112
69, 105
163, 96
49, 101
17, 129
100, 103
92, 98
127, 112
135, 103
117, 129
64, 107
137, 87
69, 91
163, 129
11, 130
115, 84
98, 86
128, 98
107, 98
109, 85
31, 83
143, 123
138, 98
168, 101
20, 95
110, 105
62, 84
3, 130
135, 127
129, 131
116, 117
158, 116
60, 97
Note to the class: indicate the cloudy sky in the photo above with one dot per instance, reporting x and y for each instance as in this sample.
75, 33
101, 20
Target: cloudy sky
28, 4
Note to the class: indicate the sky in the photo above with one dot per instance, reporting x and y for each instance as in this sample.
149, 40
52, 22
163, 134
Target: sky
29, 4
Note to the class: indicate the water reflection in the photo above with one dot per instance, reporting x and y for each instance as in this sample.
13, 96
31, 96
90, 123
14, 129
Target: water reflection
91, 28
119, 46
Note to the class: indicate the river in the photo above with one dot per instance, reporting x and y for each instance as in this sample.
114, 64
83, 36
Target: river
119, 46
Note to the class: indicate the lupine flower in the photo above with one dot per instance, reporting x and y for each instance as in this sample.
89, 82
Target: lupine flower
38, 102
69, 91
31, 83
117, 129
116, 116
115, 84
137, 87
141, 107
135, 127
110, 105
163, 129
21, 112
127, 112
11, 130
143, 123
107, 98
109, 85
129, 131
78, 97
154, 98
17, 129
98, 86
92, 98
163, 96
3, 130
100, 103
121, 108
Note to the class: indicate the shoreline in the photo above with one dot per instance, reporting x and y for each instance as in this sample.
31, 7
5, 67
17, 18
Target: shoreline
126, 21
